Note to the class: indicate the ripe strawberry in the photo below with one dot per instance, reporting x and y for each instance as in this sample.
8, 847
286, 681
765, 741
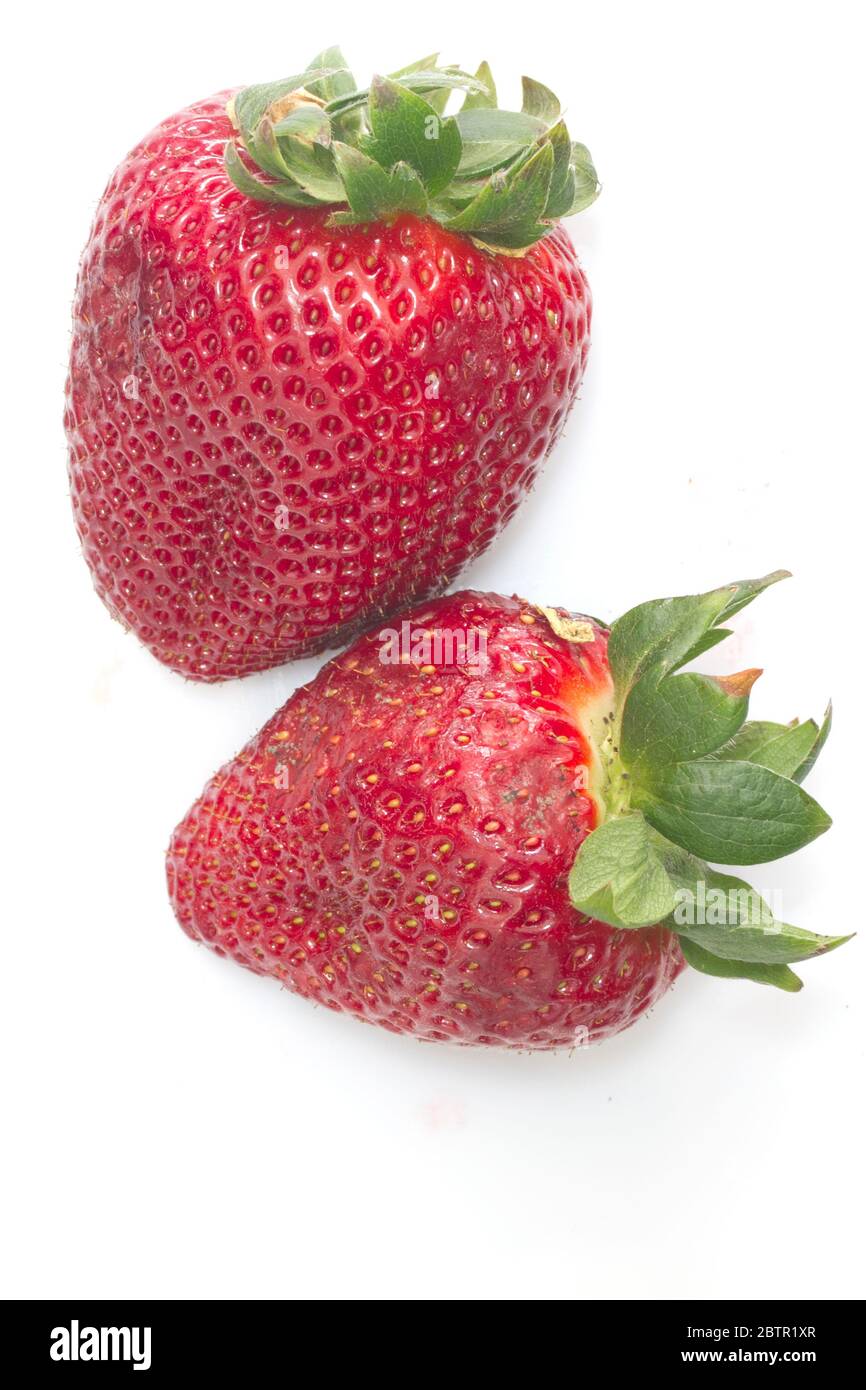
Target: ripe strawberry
298, 401
486, 845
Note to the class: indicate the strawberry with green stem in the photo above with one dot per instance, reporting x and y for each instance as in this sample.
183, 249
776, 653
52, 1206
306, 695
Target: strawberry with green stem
324, 338
511, 850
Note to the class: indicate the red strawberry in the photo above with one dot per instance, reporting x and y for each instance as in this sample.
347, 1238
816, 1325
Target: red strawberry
399, 840
297, 402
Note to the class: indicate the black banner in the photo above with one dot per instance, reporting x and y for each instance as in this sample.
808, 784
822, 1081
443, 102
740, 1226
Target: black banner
155, 1339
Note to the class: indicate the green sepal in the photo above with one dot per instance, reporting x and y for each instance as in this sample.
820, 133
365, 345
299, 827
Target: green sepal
779, 944
438, 98
338, 84
421, 82
307, 123
492, 138
338, 81
425, 64
253, 103
737, 924
620, 875
685, 779
778, 975
503, 178
662, 635
802, 772
585, 180
540, 101
628, 876
373, 192
313, 170
509, 208
263, 149
678, 719
710, 639
284, 192
730, 812
562, 180
407, 129
789, 749
302, 139
485, 97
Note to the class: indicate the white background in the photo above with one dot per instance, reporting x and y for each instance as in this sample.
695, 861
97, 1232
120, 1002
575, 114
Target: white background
173, 1127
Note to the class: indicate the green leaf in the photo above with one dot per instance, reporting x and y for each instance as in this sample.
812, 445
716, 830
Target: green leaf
677, 719
728, 917
540, 101
778, 944
704, 644
778, 975
312, 168
451, 78
267, 153
438, 98
485, 98
805, 768
624, 874
562, 186
302, 138
745, 590
287, 130
339, 81
427, 64
338, 85
287, 193
687, 780
374, 192
730, 812
492, 138
789, 749
660, 636
305, 122
262, 148
508, 210
406, 128
252, 104
586, 184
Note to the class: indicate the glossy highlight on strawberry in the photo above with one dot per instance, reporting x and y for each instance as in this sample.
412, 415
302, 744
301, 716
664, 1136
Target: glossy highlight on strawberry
284, 423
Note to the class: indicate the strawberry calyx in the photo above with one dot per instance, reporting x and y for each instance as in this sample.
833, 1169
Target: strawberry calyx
687, 780
502, 178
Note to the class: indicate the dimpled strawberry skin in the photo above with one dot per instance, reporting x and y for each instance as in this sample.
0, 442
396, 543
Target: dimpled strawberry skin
280, 431
395, 843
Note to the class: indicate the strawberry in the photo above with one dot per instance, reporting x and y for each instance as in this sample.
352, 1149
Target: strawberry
489, 824
323, 339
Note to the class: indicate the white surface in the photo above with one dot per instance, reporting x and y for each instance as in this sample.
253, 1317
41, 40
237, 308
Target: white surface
173, 1127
